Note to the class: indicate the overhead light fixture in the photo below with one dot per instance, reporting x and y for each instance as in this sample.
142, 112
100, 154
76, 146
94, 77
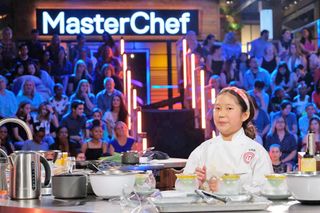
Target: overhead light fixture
229, 2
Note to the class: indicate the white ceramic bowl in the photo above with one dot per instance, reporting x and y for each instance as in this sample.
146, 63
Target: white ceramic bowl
305, 187
112, 185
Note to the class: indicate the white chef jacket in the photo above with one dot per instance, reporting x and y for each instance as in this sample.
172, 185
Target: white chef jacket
240, 155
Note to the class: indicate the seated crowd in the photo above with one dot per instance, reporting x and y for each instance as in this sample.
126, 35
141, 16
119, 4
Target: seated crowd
76, 104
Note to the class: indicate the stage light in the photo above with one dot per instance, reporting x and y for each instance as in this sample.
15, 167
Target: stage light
129, 97
193, 80
203, 100
124, 72
184, 60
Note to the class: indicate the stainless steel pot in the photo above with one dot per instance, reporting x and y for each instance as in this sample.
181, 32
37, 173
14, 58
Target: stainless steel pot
69, 186
130, 157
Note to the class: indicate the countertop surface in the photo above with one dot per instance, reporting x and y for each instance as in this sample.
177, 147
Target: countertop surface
47, 204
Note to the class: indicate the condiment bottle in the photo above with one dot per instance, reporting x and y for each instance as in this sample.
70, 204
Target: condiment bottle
317, 157
308, 162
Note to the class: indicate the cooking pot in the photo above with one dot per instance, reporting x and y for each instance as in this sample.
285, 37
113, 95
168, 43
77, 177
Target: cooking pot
130, 157
68, 186
304, 186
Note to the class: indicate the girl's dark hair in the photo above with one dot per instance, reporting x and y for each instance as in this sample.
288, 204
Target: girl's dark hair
20, 112
123, 112
313, 119
58, 131
247, 125
310, 37
95, 123
279, 76
227, 69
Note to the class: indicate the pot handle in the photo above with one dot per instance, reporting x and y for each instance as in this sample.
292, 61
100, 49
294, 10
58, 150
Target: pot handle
47, 169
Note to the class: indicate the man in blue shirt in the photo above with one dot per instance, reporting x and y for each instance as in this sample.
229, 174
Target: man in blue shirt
255, 72
258, 45
104, 97
37, 143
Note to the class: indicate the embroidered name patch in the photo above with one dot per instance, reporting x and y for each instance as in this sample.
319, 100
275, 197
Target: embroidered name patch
248, 156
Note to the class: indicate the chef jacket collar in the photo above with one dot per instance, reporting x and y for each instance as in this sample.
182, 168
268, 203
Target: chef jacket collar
237, 137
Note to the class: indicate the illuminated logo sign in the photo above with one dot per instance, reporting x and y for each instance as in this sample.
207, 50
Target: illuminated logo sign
116, 22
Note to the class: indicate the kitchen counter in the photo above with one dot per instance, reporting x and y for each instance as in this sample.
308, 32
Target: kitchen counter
47, 204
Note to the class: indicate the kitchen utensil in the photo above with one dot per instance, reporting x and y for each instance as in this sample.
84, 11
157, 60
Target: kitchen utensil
207, 199
130, 157
69, 186
217, 197
111, 184
25, 181
304, 186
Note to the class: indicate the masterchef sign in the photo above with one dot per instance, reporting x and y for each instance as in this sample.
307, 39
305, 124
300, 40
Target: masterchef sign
116, 22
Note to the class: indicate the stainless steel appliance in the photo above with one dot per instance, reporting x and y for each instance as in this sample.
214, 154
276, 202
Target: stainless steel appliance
25, 174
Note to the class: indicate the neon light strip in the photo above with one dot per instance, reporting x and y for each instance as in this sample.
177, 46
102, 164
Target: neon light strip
164, 86
203, 107
139, 122
318, 31
134, 98
213, 96
121, 46
129, 97
125, 67
193, 80
184, 61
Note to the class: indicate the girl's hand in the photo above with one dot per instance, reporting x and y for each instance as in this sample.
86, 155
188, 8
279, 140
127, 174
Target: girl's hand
201, 174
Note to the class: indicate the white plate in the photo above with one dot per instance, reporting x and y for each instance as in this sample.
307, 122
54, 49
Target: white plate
277, 197
176, 200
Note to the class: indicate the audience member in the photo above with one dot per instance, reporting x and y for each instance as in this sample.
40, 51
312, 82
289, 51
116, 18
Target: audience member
59, 102
84, 94
279, 134
295, 57
269, 59
95, 148
37, 144
301, 100
255, 72
5, 141
75, 121
28, 93
260, 96
34, 45
23, 113
314, 127
80, 72
9, 48
284, 44
122, 142
311, 111
104, 97
97, 115
230, 73
258, 45
275, 155
306, 42
215, 60
8, 101
231, 48
282, 77
63, 143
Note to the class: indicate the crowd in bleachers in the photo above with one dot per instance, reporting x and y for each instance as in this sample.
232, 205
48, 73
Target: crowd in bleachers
75, 103
281, 76
72, 102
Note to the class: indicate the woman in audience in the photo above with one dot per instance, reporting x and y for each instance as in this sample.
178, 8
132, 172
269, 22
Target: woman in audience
10, 50
122, 142
284, 44
302, 99
231, 48
230, 74
83, 93
118, 112
281, 77
215, 60
23, 113
279, 134
306, 42
80, 72
83, 55
243, 63
261, 120
62, 141
28, 93
46, 63
295, 57
95, 148
314, 126
59, 102
270, 59
47, 119
5, 140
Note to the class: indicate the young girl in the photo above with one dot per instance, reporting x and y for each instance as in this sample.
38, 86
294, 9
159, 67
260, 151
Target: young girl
95, 147
233, 151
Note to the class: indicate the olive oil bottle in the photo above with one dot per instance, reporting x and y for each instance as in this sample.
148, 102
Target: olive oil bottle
308, 162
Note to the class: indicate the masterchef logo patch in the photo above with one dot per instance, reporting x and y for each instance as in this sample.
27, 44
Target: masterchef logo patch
248, 156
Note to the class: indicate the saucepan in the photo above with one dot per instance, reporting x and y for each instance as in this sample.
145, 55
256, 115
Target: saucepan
304, 186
